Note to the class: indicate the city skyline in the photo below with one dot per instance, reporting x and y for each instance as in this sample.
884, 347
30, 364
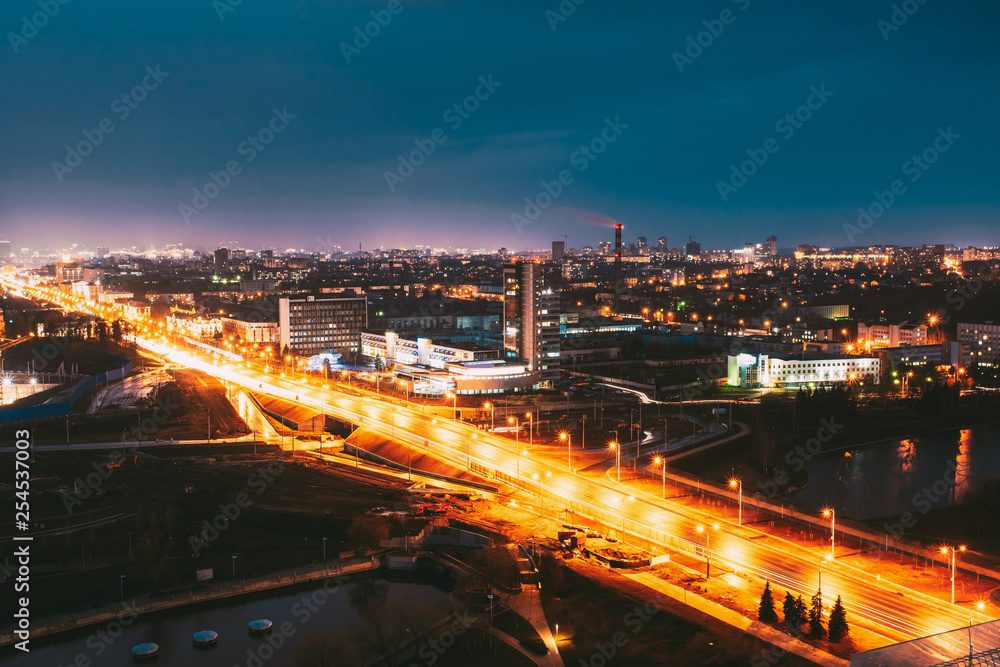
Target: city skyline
308, 128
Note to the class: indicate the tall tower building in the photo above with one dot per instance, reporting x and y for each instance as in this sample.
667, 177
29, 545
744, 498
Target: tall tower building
772, 246
558, 250
221, 260
531, 320
618, 265
661, 243
4, 250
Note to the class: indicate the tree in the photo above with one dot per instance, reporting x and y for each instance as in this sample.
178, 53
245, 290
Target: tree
838, 622
385, 627
327, 649
793, 618
816, 629
766, 612
368, 531
495, 566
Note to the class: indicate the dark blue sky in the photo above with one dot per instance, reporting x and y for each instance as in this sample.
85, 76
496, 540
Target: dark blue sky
322, 181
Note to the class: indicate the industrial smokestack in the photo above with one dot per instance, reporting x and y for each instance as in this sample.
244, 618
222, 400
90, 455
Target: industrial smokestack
618, 265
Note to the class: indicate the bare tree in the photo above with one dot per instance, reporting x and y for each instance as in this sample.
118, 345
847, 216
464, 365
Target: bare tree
328, 649
385, 626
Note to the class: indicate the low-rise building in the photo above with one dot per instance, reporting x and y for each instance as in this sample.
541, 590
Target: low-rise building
761, 370
435, 368
249, 330
878, 336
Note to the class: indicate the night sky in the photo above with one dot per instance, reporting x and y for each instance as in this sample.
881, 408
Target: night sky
607, 75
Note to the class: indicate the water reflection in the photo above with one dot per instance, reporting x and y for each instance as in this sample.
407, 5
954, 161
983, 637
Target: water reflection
963, 466
307, 613
890, 478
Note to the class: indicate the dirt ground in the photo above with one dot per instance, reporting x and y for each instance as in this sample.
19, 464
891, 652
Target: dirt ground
182, 407
146, 519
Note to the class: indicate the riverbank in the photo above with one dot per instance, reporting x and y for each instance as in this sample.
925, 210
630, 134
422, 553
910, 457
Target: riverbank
331, 576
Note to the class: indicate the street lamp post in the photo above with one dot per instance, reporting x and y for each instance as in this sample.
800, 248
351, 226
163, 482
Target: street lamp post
979, 607
121, 587
492, 409
569, 450
624, 499
468, 451
618, 458
708, 548
531, 424
324, 548
738, 483
234, 566
833, 530
662, 462
517, 430
945, 551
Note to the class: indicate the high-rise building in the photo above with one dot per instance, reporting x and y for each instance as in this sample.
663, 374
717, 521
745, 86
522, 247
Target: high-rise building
531, 320
618, 266
221, 260
772, 246
641, 242
980, 343
4, 251
309, 326
661, 243
604, 248
692, 249
558, 250
102, 252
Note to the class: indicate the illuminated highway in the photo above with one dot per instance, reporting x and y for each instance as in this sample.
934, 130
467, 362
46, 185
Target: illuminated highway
890, 610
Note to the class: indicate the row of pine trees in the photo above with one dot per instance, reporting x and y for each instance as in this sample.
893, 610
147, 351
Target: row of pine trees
797, 616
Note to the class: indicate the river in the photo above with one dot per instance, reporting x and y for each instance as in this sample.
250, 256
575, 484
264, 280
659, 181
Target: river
173, 630
890, 477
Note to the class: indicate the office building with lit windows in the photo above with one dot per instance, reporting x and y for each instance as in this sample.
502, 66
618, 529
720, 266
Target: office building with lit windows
531, 320
980, 343
309, 326
761, 370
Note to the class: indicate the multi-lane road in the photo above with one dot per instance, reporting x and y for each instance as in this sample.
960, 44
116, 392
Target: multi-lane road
895, 612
